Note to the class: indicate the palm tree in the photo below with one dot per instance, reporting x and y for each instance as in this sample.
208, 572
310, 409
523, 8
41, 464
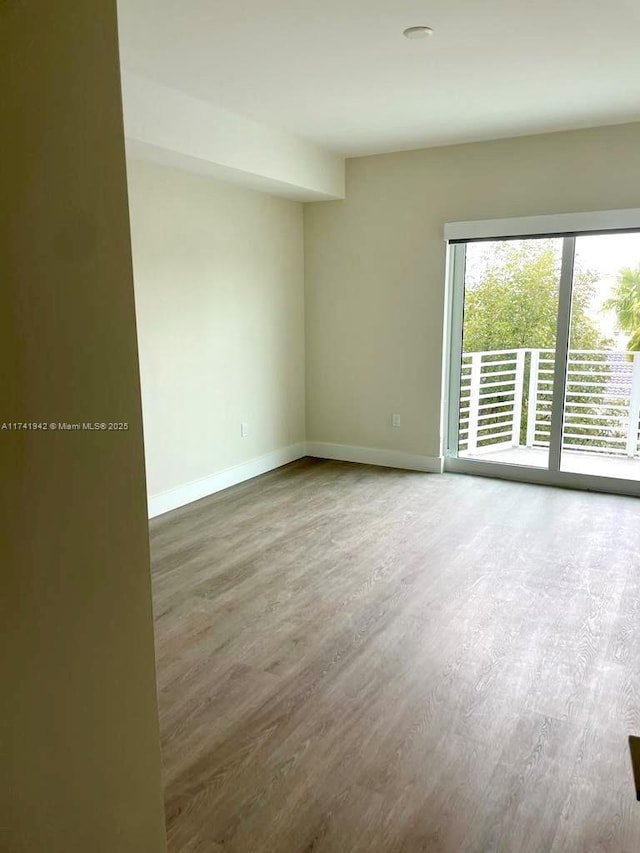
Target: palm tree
625, 301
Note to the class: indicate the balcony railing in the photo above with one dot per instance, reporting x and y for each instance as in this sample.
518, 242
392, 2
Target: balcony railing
506, 397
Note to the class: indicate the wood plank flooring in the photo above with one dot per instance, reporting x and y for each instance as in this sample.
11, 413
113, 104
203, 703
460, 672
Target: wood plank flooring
359, 659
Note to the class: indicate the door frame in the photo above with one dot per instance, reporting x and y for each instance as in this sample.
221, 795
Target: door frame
567, 227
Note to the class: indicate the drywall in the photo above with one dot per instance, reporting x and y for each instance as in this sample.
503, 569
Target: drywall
172, 128
81, 761
220, 306
375, 268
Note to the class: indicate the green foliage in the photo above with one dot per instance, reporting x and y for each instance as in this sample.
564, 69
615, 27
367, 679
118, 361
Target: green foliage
625, 301
633, 345
515, 302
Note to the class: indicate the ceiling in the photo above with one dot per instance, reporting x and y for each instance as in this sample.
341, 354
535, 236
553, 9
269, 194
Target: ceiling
340, 73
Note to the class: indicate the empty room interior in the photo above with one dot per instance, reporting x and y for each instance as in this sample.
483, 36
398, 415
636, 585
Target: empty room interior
325, 320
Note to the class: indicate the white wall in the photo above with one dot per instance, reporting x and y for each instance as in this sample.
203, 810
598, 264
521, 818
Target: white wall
375, 267
218, 273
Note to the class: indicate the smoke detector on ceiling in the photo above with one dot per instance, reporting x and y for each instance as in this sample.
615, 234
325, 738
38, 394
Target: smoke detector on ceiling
417, 32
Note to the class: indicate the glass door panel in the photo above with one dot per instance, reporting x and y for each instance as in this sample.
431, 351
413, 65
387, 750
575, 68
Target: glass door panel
602, 397
511, 293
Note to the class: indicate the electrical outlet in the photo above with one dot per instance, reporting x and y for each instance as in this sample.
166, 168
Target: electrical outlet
244, 429
395, 420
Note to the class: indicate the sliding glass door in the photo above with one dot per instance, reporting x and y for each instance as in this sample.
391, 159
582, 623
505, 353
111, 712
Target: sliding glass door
602, 395
509, 333
545, 358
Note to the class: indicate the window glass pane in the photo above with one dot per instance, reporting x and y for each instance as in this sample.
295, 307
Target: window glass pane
509, 336
602, 402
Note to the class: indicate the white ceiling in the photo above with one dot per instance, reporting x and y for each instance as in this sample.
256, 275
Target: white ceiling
339, 72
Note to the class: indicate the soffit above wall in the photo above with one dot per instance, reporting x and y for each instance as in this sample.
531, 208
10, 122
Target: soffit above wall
171, 128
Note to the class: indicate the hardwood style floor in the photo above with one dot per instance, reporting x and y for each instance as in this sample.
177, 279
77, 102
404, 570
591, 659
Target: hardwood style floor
359, 659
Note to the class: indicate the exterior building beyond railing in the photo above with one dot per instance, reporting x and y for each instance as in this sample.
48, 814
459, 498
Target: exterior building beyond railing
506, 400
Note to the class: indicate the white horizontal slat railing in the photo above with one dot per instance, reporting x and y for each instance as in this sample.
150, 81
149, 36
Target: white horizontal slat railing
506, 395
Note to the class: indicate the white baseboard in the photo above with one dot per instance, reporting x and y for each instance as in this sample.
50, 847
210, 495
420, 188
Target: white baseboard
375, 456
202, 488
193, 491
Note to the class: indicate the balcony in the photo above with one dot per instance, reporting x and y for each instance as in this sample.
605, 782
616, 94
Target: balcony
506, 401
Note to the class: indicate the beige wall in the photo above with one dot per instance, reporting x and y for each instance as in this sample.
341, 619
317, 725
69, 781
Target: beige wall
375, 267
81, 761
220, 304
